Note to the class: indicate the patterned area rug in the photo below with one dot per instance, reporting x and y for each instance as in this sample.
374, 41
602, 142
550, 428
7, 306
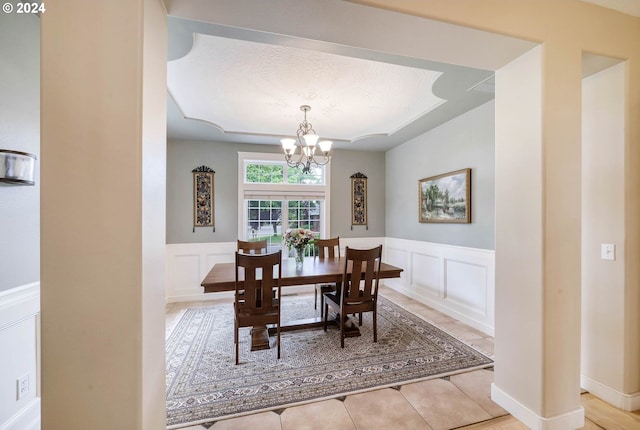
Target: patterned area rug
204, 384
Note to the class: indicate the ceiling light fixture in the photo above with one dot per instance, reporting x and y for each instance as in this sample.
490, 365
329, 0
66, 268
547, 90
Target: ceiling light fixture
308, 143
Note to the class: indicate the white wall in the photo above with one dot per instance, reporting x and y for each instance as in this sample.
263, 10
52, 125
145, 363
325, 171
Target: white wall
19, 341
603, 284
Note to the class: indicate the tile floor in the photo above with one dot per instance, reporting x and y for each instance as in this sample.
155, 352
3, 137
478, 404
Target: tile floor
457, 402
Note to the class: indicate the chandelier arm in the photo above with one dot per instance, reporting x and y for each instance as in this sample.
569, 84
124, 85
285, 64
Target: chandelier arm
294, 163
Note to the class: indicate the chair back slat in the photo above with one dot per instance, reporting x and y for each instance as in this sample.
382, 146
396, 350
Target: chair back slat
260, 278
254, 247
362, 285
328, 248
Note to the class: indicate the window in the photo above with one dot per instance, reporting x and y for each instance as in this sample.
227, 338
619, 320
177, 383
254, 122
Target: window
273, 197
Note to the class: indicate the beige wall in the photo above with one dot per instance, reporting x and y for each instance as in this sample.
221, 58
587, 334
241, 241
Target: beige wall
603, 206
519, 298
566, 29
102, 240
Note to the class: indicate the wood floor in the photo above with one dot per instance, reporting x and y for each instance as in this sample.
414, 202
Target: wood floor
598, 415
603, 415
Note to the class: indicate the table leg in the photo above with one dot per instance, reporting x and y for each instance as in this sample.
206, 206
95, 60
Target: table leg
259, 338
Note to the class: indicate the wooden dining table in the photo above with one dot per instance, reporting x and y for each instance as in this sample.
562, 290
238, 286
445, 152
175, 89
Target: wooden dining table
222, 277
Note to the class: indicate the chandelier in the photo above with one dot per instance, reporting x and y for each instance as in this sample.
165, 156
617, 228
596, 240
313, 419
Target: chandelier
308, 142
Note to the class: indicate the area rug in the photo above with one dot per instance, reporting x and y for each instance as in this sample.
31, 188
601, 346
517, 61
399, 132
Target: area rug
204, 384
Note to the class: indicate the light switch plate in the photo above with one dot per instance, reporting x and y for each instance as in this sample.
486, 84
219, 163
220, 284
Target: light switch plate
607, 251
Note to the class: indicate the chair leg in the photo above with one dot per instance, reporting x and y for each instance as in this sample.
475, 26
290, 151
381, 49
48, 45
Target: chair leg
326, 312
315, 298
360, 318
278, 341
321, 304
375, 325
237, 348
341, 330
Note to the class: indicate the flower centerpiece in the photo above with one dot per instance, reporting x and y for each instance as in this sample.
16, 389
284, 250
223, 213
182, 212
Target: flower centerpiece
298, 239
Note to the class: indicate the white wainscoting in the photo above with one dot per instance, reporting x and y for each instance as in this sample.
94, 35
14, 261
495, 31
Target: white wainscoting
189, 263
20, 343
457, 281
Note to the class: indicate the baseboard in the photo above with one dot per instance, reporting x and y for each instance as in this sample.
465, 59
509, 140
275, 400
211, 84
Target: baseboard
569, 421
27, 419
627, 402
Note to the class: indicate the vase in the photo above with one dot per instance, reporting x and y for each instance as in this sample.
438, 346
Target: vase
299, 256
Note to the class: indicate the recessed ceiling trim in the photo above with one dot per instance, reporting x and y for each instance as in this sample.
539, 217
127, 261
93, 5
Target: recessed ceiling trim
257, 88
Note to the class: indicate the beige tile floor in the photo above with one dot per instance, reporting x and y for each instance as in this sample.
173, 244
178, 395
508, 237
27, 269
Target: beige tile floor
457, 402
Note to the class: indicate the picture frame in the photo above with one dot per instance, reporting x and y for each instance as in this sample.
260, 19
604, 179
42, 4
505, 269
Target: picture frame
445, 198
359, 200
203, 197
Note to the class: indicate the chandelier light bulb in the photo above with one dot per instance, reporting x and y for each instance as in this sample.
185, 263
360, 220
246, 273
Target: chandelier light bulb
288, 144
311, 139
325, 146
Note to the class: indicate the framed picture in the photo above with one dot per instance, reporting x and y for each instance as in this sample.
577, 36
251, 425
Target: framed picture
203, 198
358, 199
445, 198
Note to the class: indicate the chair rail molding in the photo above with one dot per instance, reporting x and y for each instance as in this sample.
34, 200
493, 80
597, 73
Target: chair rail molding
20, 334
457, 281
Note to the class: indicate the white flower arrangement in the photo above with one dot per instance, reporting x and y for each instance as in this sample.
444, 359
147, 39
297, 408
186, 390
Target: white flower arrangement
298, 238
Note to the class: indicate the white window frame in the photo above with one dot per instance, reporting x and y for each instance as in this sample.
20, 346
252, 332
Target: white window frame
284, 191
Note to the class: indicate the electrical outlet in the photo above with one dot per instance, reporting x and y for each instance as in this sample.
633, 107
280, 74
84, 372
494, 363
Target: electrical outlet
22, 386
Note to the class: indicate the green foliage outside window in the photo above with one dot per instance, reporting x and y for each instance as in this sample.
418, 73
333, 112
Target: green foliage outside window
265, 173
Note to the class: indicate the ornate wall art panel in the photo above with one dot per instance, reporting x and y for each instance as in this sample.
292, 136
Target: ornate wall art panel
203, 201
358, 200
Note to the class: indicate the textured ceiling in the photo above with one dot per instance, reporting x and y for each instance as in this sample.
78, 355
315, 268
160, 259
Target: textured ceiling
256, 88
374, 78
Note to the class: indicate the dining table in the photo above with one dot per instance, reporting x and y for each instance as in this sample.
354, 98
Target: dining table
314, 270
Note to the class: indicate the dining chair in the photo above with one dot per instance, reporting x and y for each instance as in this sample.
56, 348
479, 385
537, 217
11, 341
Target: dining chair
327, 248
254, 247
359, 292
257, 299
